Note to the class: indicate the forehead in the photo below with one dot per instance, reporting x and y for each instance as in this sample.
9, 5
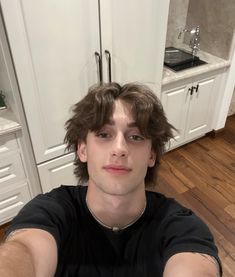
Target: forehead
122, 112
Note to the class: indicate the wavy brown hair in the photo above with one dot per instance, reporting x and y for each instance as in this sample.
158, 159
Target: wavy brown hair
96, 108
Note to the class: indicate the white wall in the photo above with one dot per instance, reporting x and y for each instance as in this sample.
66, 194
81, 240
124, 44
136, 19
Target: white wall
232, 105
228, 90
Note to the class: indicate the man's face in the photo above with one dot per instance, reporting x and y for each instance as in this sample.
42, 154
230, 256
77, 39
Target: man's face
118, 155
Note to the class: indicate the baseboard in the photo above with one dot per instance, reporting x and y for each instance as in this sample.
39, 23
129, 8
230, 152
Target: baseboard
215, 133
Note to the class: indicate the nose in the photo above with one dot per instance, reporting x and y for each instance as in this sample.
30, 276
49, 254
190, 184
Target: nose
119, 146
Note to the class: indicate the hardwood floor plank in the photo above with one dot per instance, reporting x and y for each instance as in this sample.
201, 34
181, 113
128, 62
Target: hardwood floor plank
169, 172
230, 209
208, 164
214, 174
2, 231
228, 267
199, 177
226, 248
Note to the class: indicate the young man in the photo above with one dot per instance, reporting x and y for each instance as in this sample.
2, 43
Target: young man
112, 226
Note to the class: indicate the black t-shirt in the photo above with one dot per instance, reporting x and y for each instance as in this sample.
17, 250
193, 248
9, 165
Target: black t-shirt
87, 249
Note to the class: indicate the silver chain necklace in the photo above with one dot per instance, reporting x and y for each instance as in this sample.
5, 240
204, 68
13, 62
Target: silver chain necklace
115, 229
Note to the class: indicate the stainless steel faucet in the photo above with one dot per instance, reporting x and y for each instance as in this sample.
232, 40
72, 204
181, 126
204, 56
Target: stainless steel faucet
195, 38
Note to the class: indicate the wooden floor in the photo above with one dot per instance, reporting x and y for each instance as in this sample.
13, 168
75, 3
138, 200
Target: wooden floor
201, 176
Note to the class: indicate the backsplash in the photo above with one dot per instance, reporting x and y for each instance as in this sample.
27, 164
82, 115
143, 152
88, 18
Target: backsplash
217, 22
215, 18
176, 20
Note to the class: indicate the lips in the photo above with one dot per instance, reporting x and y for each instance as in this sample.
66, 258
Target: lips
117, 169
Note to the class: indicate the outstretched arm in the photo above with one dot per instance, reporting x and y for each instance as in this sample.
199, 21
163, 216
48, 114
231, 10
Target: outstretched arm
191, 264
28, 252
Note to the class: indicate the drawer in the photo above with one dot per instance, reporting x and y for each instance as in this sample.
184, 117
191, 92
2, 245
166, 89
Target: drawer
12, 200
8, 143
11, 169
57, 172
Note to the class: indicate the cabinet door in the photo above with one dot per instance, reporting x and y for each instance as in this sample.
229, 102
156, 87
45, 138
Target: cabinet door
200, 105
57, 172
53, 44
135, 32
175, 103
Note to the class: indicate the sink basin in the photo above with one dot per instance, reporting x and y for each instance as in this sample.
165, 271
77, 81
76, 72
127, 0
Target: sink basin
177, 59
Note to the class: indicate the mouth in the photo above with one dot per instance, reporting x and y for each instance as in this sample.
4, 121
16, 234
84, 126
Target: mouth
117, 170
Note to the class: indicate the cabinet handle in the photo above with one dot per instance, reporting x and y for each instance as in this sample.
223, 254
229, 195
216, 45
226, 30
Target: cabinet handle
196, 88
191, 90
108, 56
97, 55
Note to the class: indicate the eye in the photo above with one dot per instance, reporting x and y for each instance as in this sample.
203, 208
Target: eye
103, 135
136, 137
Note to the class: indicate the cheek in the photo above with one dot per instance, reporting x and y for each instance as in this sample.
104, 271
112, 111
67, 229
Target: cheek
94, 157
144, 157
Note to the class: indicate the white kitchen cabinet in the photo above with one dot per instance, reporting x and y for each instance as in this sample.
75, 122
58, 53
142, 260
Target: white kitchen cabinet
14, 189
175, 104
53, 44
11, 168
57, 172
189, 108
59, 49
134, 32
199, 115
12, 201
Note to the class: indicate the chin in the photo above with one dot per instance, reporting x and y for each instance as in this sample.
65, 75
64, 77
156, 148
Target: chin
120, 189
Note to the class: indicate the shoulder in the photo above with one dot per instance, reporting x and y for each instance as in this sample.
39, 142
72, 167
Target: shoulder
63, 195
174, 217
180, 229
62, 201
53, 211
165, 207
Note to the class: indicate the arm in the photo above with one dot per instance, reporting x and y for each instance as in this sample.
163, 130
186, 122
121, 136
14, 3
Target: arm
28, 252
191, 264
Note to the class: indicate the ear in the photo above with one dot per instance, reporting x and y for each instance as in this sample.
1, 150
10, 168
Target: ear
82, 152
152, 159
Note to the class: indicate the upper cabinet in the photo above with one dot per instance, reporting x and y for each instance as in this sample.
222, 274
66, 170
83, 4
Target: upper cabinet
53, 44
134, 32
60, 48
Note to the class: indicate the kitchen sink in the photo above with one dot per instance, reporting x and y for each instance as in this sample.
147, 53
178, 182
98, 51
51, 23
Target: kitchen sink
177, 59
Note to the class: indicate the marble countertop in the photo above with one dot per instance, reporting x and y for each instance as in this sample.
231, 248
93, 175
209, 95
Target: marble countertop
8, 122
213, 63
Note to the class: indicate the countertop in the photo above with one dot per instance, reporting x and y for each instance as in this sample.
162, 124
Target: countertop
8, 122
213, 63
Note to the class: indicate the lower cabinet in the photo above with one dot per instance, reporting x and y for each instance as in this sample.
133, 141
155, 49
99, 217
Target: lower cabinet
57, 172
12, 200
189, 108
14, 188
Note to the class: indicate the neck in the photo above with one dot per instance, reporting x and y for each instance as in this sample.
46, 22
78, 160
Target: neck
116, 227
116, 211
